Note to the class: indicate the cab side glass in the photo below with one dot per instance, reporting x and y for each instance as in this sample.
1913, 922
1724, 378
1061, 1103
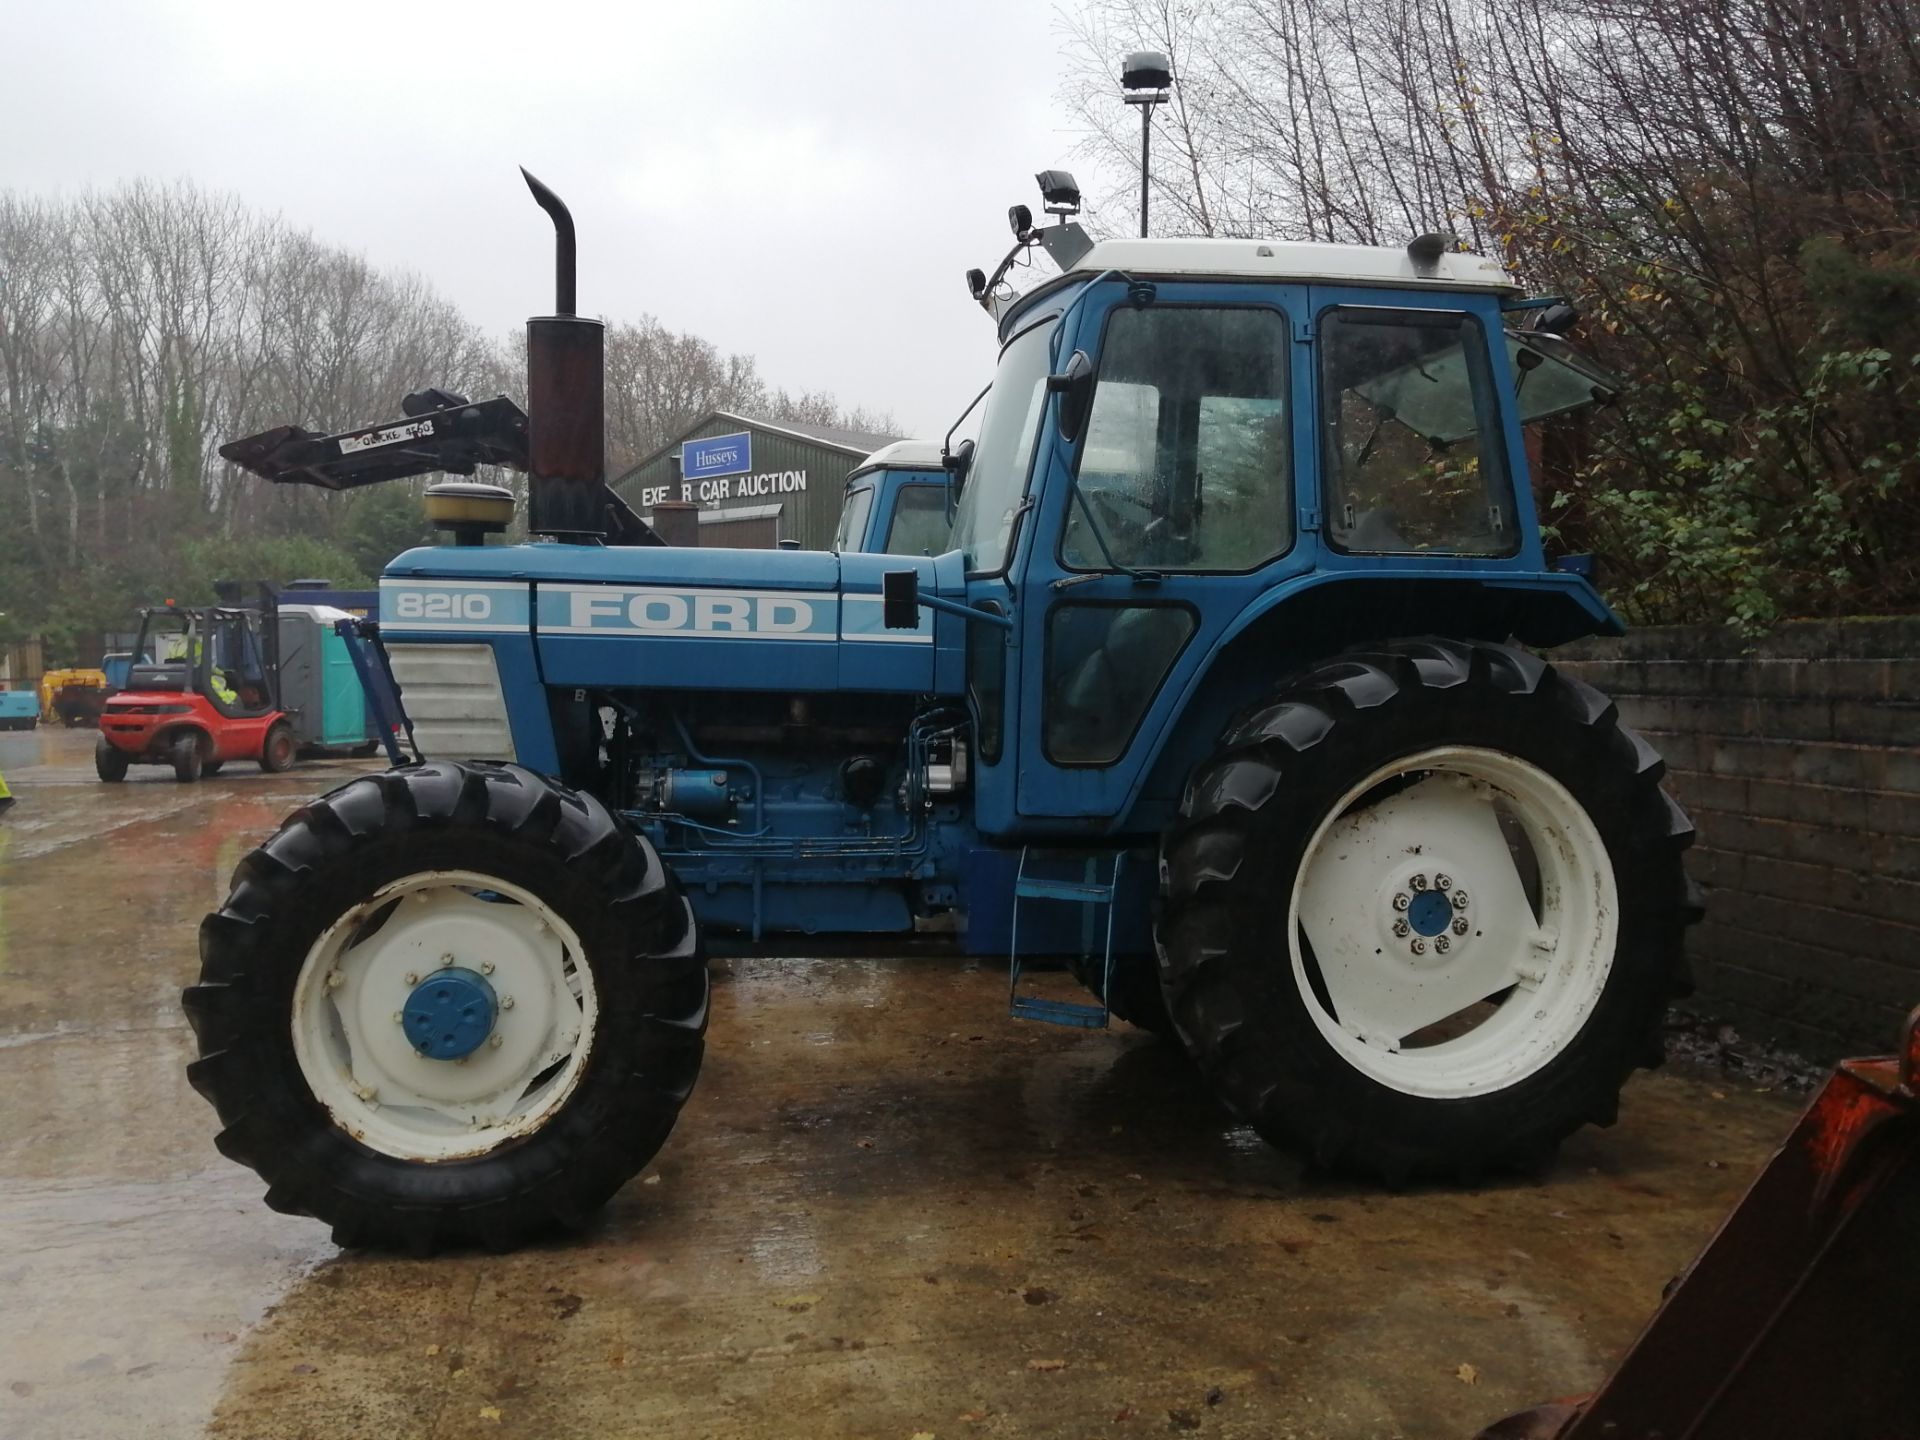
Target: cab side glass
1105, 663
987, 683
1187, 462
853, 519
1411, 451
920, 524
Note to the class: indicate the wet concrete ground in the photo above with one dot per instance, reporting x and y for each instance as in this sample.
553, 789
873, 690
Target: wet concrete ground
887, 1212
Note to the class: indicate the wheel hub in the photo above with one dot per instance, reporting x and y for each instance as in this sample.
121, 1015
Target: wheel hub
450, 1014
1428, 914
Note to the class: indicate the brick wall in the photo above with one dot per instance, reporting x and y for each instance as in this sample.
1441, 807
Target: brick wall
1798, 757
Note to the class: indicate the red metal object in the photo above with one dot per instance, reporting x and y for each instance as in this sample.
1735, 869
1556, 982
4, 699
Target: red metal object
1797, 1320
145, 723
228, 716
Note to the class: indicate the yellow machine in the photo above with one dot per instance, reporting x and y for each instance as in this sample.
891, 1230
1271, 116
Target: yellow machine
72, 696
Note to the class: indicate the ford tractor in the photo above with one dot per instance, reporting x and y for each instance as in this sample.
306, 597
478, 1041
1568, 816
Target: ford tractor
1225, 689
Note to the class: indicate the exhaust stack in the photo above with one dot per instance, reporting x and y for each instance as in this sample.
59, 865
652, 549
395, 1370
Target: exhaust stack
566, 400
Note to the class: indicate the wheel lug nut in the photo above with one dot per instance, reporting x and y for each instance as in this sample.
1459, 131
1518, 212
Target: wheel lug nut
1442, 882
398, 1018
506, 1002
486, 967
1459, 899
1418, 882
411, 978
1402, 901
335, 979
496, 1040
1459, 924
446, 960
1442, 944
1419, 946
1400, 928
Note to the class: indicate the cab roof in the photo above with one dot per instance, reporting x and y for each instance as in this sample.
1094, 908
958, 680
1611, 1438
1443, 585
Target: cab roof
902, 455
1280, 260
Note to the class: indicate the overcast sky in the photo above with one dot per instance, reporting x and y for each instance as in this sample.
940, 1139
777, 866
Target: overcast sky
806, 182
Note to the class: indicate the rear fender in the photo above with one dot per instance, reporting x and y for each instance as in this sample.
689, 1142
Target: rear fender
1296, 624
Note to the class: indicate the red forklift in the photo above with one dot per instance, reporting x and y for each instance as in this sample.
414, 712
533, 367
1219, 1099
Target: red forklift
202, 689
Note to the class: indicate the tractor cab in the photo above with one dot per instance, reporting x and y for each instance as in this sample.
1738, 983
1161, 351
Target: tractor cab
897, 502
1201, 460
202, 688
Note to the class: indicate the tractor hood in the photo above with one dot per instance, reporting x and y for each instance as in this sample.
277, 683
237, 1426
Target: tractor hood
667, 617
661, 565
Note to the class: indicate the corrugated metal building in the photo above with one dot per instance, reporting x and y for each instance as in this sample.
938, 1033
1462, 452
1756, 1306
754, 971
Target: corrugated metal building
757, 482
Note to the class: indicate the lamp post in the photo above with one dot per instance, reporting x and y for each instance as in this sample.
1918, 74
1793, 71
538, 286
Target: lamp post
1146, 77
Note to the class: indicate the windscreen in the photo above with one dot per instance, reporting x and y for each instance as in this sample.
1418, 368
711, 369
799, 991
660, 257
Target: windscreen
997, 480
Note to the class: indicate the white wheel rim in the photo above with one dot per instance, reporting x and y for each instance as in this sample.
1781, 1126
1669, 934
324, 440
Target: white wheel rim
1507, 991
354, 986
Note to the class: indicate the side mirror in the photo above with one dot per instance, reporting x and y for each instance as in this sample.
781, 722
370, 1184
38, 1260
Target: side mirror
1074, 386
900, 599
957, 462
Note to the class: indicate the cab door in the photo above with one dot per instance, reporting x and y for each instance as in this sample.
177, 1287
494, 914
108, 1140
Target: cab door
1178, 501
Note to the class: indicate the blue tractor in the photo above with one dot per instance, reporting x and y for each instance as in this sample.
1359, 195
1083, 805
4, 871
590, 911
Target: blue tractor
1225, 690
898, 501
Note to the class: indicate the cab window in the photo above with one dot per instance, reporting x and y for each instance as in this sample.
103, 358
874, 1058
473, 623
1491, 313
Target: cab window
920, 525
1410, 444
853, 519
1187, 462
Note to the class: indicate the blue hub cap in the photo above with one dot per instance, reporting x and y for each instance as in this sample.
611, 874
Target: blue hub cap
1430, 913
450, 1014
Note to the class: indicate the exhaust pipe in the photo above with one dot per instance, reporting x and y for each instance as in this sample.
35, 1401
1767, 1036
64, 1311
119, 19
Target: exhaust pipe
566, 400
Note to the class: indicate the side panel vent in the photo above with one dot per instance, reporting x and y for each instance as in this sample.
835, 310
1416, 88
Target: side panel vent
452, 694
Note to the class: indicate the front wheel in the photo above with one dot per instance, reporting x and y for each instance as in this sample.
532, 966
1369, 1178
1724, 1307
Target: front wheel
110, 762
449, 1004
1423, 910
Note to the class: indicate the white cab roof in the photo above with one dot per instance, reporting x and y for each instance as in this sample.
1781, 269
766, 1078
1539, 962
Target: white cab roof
903, 455
1293, 260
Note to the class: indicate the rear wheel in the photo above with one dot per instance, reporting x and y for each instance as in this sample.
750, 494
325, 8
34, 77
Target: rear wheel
110, 762
1424, 909
449, 1004
188, 758
278, 749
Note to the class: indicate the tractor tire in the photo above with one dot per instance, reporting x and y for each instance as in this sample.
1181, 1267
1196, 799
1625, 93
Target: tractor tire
355, 1123
110, 762
1307, 903
188, 758
1136, 998
278, 750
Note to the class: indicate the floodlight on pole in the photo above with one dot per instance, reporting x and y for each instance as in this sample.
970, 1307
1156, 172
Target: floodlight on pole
1147, 78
